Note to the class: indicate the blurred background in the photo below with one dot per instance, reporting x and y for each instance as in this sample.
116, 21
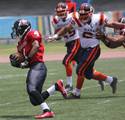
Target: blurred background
39, 13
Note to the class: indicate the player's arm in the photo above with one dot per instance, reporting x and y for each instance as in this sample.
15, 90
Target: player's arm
115, 40
64, 30
34, 50
116, 25
60, 33
111, 41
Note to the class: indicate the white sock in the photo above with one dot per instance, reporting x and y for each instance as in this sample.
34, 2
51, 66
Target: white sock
109, 79
51, 90
69, 80
44, 106
77, 91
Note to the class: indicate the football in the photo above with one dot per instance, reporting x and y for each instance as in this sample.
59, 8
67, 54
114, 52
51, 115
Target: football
18, 56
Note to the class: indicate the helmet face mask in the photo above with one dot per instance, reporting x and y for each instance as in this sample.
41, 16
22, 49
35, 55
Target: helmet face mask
85, 12
61, 10
20, 27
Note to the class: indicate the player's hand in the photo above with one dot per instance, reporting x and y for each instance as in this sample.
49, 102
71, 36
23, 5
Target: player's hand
25, 64
100, 35
51, 38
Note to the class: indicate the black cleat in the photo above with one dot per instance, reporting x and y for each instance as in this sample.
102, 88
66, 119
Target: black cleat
73, 96
101, 83
69, 88
114, 85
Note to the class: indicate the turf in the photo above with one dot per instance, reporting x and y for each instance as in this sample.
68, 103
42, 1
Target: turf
50, 48
93, 105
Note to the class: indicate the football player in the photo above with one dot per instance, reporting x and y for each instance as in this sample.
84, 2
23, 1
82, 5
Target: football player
116, 40
71, 6
71, 39
72, 43
88, 24
31, 47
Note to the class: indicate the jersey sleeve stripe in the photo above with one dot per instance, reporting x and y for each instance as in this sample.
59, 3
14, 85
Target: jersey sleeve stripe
78, 22
55, 20
101, 21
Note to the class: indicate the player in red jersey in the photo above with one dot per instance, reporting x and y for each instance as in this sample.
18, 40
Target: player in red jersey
31, 47
71, 6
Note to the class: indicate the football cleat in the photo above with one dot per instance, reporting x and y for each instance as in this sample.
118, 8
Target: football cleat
101, 83
68, 88
49, 114
73, 96
61, 88
114, 85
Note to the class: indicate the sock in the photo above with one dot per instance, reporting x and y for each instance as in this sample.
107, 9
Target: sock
69, 80
80, 81
109, 79
44, 107
99, 76
51, 90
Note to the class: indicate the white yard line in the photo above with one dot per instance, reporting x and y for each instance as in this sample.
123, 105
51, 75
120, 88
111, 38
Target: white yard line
11, 76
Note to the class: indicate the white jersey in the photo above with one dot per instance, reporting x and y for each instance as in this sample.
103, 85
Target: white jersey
58, 23
87, 32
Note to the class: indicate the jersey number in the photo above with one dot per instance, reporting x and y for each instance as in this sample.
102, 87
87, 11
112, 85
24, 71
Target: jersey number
36, 34
70, 34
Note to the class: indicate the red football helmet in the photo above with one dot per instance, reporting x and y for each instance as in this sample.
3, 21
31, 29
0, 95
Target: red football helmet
61, 10
85, 12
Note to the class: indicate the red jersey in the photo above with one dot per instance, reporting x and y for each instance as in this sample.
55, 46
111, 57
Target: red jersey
25, 45
71, 7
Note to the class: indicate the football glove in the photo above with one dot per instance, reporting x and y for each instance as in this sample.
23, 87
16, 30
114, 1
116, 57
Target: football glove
25, 64
14, 60
51, 38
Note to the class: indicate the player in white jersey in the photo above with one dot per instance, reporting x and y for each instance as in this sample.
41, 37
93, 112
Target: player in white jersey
72, 43
71, 39
88, 24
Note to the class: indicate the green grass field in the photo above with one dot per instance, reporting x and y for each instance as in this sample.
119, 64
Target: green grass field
93, 105
50, 48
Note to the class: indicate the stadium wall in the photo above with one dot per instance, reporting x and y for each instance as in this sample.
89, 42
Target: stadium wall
41, 23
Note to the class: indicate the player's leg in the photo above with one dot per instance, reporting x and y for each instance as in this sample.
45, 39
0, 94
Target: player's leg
58, 86
101, 77
69, 82
86, 57
35, 80
90, 74
72, 49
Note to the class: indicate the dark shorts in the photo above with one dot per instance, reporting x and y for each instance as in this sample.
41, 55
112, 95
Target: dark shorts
86, 61
36, 76
72, 50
